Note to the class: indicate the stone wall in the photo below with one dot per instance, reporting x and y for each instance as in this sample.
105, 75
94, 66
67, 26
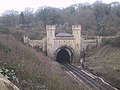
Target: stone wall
76, 42
32, 43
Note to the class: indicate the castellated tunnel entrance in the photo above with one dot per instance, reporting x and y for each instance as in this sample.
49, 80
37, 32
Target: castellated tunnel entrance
64, 55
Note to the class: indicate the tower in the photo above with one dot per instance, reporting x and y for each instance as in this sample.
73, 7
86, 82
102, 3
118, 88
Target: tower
50, 36
76, 29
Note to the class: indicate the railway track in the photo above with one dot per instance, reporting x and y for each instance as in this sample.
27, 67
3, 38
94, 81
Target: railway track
81, 76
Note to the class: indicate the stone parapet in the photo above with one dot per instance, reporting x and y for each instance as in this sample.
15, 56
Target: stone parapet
50, 27
74, 27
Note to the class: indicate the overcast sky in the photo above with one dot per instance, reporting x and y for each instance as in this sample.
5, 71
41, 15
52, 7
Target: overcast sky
20, 5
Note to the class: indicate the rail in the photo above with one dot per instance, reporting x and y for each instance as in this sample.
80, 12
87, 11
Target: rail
93, 82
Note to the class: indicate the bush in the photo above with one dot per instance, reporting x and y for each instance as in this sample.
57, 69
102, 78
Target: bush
5, 31
106, 41
18, 35
115, 42
36, 35
8, 73
4, 48
38, 49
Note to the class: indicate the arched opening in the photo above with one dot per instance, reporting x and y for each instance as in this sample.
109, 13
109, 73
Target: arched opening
63, 56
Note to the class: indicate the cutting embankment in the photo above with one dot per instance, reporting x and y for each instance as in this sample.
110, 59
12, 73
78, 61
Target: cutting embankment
30, 70
105, 62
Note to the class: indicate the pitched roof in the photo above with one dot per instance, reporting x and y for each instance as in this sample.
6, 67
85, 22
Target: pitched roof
64, 35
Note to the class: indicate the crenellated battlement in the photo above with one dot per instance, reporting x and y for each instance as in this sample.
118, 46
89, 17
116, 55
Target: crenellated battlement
50, 27
74, 27
68, 46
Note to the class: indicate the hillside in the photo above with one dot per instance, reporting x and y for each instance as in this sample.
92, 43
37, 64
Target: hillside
30, 70
105, 62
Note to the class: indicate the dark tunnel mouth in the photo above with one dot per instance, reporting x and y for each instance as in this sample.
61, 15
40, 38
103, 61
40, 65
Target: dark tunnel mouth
63, 56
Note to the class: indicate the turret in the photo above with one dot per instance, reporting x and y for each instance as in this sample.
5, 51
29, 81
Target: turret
50, 36
76, 29
26, 39
50, 31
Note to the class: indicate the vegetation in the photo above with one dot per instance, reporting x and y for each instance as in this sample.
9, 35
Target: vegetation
105, 63
30, 70
96, 19
5, 31
33, 71
9, 74
21, 18
4, 48
115, 42
106, 41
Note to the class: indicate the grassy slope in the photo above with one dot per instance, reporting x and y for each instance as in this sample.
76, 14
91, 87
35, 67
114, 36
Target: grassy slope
33, 69
106, 63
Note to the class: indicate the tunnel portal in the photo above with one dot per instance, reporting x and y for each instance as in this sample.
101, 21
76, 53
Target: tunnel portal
64, 55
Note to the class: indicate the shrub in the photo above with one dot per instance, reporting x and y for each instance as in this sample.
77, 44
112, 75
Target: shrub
5, 31
4, 48
106, 41
18, 35
8, 73
115, 42
38, 49
36, 35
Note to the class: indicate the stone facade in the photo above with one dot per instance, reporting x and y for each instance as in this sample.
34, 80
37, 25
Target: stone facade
70, 43
90, 42
73, 43
32, 43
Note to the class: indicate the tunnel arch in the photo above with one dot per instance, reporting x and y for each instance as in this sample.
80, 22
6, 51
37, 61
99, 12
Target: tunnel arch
64, 54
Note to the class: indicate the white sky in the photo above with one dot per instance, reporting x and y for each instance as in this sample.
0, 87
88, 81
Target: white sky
20, 5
